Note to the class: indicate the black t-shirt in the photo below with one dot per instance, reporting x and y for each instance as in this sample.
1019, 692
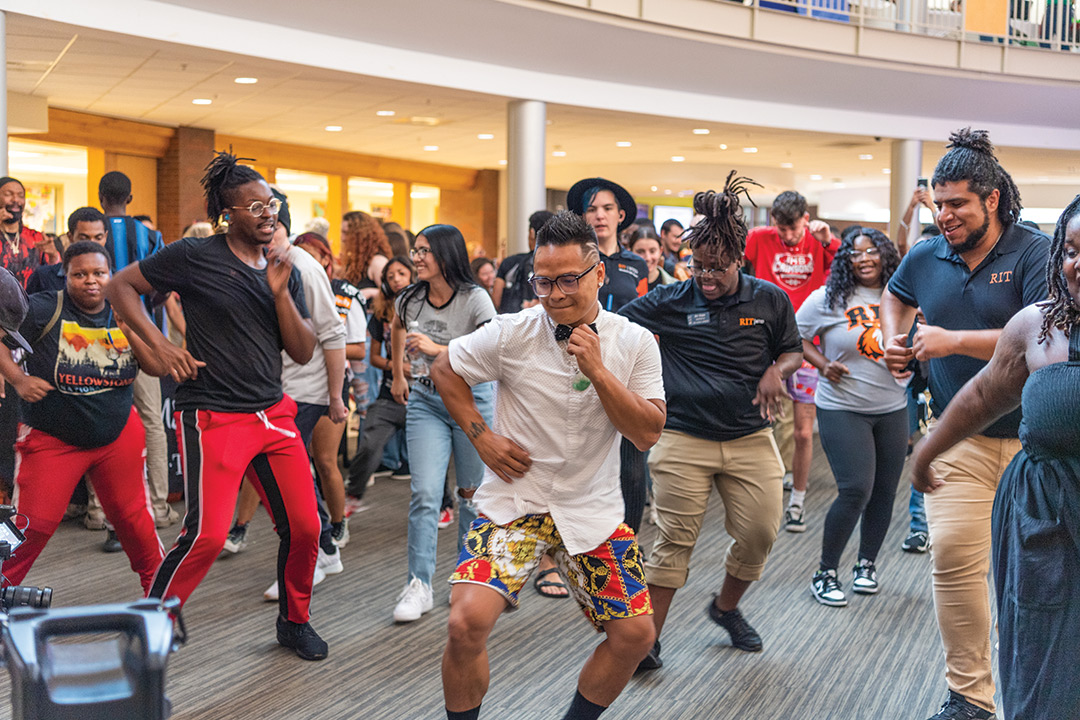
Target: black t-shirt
515, 272
715, 352
89, 362
231, 324
46, 278
627, 279
936, 279
380, 333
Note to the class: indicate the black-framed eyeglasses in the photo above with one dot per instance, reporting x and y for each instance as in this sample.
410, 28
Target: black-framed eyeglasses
259, 208
701, 271
419, 253
542, 286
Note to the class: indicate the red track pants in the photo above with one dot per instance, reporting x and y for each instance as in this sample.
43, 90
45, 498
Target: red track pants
215, 449
47, 471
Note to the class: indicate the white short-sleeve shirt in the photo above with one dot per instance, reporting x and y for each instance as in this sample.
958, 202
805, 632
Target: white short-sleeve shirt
572, 443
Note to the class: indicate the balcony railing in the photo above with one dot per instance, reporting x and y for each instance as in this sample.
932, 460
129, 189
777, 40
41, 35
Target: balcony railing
1047, 24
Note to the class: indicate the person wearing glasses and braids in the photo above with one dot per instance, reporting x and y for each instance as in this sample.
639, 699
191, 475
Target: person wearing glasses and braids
728, 341
572, 379
77, 414
861, 409
444, 303
244, 304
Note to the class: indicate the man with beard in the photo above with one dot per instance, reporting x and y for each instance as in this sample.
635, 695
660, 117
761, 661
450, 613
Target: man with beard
969, 282
20, 256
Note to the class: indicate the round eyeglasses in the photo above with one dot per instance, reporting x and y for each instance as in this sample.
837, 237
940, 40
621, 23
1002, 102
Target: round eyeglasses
259, 208
542, 286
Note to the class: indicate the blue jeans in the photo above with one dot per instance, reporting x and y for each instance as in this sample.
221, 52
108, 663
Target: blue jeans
431, 437
917, 509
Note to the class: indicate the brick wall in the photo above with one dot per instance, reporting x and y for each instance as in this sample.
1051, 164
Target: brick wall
180, 195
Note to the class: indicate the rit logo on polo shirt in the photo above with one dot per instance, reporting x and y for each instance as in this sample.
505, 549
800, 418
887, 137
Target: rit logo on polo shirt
1001, 277
751, 321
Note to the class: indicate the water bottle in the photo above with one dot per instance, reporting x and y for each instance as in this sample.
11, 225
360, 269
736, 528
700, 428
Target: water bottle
418, 362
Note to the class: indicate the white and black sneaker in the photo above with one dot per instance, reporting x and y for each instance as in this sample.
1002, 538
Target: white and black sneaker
917, 541
864, 581
794, 521
826, 589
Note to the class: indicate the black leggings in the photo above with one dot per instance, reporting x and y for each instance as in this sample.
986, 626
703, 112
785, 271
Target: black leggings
632, 478
866, 454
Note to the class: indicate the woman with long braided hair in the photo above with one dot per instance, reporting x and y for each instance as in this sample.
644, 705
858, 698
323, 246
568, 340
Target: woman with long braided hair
728, 341
1036, 517
244, 304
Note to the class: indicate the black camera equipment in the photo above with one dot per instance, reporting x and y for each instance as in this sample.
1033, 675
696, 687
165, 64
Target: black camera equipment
14, 596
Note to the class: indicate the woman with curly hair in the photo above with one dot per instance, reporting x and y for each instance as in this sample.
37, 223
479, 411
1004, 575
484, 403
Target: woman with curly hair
862, 410
1036, 516
364, 251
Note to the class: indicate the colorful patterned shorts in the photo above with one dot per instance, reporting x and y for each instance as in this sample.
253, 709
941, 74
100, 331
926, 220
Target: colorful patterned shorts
608, 582
802, 385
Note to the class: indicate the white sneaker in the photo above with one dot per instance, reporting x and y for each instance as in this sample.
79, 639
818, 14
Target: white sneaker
272, 593
415, 600
329, 564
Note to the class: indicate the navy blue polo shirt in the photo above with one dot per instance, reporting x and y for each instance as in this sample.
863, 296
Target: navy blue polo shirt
715, 352
934, 278
627, 279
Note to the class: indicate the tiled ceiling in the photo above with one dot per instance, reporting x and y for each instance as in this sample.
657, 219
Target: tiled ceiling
116, 75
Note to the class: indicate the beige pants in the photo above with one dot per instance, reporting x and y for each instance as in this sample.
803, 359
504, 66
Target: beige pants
746, 472
147, 391
958, 515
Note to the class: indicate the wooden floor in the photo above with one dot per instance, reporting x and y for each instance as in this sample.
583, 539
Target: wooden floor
879, 657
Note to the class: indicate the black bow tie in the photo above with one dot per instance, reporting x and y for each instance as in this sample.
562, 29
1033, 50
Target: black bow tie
563, 332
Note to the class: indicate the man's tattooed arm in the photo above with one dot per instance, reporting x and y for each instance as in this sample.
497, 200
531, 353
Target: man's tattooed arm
476, 429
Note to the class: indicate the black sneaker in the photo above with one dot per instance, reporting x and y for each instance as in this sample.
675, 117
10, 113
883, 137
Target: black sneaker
301, 638
794, 521
402, 473
957, 708
864, 580
743, 636
112, 543
917, 541
652, 661
381, 472
826, 589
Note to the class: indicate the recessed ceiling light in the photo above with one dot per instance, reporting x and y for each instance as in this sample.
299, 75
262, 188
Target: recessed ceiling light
431, 148
787, 165
246, 80
559, 153
385, 113
623, 143
749, 149
485, 136
1042, 178
723, 146
333, 128
886, 171
667, 192
677, 158
502, 162
701, 131
815, 177
652, 188
866, 156
201, 101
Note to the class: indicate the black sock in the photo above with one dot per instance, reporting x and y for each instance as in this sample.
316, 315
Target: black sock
464, 715
327, 544
582, 709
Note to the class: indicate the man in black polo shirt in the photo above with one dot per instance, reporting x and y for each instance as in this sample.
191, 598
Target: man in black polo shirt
512, 287
968, 282
727, 342
671, 233
85, 224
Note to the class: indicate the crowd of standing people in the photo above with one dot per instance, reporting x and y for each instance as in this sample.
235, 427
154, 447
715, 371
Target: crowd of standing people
548, 400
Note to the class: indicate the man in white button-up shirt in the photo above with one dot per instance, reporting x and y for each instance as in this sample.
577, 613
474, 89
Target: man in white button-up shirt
573, 379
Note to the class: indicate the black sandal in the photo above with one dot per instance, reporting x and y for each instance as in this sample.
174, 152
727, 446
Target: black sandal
539, 583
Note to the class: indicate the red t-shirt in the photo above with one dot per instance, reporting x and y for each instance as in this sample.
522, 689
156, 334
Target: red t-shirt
23, 260
798, 270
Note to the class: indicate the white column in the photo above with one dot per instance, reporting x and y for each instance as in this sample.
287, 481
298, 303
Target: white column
525, 157
906, 168
3, 96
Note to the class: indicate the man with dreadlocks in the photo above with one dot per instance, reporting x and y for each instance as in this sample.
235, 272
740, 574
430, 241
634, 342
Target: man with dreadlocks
1036, 525
969, 282
244, 304
728, 342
